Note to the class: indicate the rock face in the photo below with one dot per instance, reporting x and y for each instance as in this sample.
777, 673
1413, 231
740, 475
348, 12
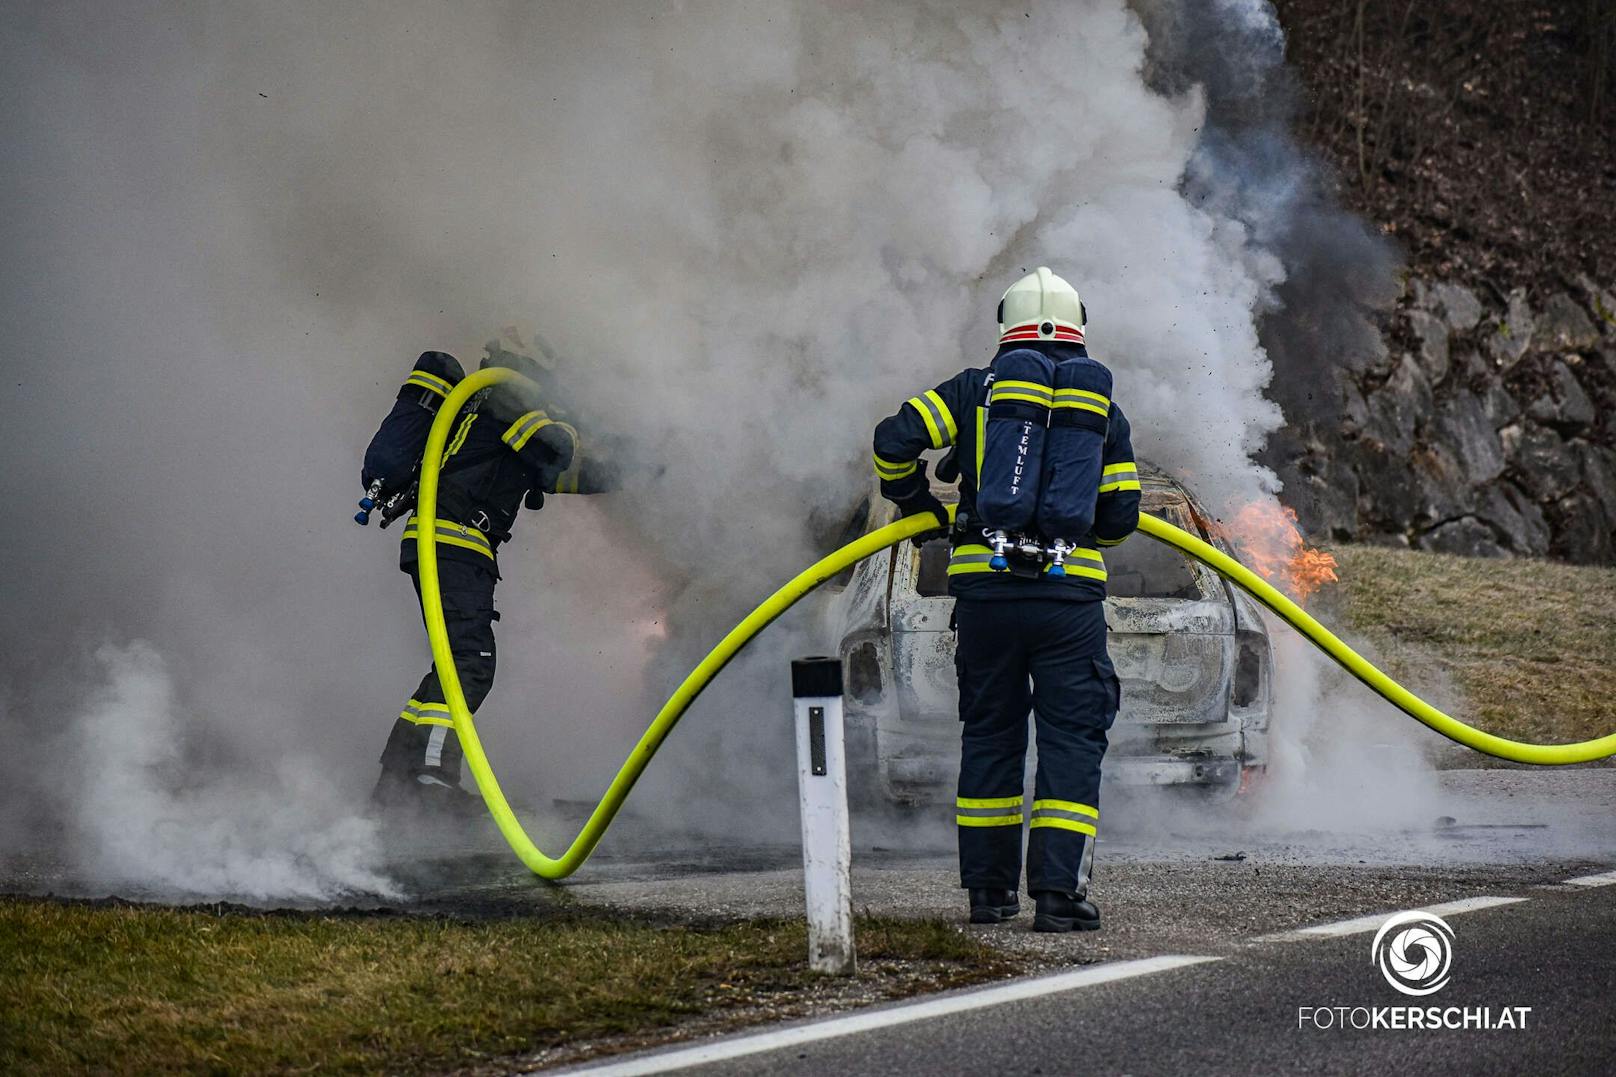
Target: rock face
1489, 431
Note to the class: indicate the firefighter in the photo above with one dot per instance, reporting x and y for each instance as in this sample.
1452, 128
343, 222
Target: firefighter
506, 449
1030, 637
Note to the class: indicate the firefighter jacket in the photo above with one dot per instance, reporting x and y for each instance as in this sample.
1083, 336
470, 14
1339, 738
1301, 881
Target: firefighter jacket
503, 451
953, 417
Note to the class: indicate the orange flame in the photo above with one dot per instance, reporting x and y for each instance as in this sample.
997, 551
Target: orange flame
1271, 545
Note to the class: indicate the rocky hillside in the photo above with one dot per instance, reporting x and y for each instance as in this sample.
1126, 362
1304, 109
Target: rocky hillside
1488, 428
1478, 137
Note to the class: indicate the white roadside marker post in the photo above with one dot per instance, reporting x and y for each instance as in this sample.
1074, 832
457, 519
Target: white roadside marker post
827, 848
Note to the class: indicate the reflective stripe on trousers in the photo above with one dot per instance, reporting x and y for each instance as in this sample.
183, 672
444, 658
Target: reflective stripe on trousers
428, 713
1066, 815
988, 811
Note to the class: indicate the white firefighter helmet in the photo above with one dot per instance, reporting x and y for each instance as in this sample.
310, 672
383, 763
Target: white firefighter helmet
1042, 306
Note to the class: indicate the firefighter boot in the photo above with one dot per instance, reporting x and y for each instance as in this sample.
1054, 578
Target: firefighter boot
993, 906
424, 796
1063, 912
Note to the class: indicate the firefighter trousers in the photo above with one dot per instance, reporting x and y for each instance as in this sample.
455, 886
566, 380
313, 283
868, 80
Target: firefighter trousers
423, 740
1047, 656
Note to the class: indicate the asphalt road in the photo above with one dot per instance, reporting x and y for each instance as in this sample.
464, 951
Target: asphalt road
1209, 884
1554, 952
1184, 882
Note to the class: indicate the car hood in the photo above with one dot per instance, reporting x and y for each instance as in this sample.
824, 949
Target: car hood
1157, 616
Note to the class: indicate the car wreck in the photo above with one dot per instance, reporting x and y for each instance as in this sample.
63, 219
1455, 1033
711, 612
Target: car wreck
1192, 652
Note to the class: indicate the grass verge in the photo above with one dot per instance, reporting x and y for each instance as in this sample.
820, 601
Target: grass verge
106, 987
1531, 644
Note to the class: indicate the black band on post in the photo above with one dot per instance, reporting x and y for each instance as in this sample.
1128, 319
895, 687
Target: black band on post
816, 676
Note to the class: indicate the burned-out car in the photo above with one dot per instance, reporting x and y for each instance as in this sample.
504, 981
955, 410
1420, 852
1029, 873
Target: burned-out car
1191, 650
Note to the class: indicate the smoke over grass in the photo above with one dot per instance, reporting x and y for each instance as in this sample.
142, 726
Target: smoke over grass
749, 230
151, 817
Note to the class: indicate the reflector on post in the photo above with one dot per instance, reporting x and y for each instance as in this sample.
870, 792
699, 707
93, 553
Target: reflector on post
827, 854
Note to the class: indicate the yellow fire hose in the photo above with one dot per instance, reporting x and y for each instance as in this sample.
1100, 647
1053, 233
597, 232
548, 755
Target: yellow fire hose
786, 597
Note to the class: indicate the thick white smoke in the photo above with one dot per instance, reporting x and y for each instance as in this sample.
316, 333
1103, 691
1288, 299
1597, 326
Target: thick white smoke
1342, 760
149, 816
750, 229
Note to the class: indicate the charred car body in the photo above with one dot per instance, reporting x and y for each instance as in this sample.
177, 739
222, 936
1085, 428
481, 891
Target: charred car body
1192, 652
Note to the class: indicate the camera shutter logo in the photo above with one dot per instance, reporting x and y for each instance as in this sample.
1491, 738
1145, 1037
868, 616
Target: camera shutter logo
1414, 951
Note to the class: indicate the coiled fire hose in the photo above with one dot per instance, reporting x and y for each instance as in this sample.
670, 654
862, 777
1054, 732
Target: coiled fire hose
787, 596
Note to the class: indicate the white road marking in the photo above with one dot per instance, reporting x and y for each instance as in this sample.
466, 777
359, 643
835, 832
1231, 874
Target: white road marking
1607, 879
1360, 924
1015, 991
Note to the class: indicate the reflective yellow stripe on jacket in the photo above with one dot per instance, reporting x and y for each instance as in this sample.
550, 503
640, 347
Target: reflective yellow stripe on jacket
1117, 477
459, 438
452, 534
518, 433
889, 470
981, 440
1080, 563
938, 419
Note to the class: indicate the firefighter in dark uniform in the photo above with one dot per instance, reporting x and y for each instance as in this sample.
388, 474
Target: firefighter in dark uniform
1028, 641
506, 449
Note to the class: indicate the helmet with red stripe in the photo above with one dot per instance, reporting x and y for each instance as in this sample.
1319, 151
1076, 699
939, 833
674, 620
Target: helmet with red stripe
1042, 306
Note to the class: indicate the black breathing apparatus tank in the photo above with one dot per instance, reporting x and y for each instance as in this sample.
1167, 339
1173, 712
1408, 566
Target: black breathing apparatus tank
393, 459
1042, 458
1019, 402
1074, 450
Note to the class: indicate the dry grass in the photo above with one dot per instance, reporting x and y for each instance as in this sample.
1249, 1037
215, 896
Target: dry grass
1531, 644
128, 989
